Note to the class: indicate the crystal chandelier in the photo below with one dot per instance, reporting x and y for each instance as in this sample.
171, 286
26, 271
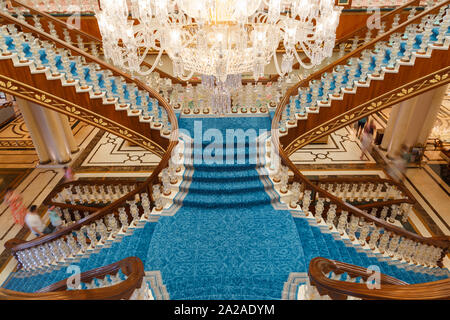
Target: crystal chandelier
217, 37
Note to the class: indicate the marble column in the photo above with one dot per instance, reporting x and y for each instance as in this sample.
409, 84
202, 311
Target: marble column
412, 121
387, 137
430, 119
401, 127
31, 120
419, 114
50, 132
73, 146
54, 133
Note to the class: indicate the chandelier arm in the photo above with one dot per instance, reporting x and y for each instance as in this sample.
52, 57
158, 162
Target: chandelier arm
275, 60
146, 73
300, 60
186, 78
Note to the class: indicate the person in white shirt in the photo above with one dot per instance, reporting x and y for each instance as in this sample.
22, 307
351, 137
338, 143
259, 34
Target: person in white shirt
34, 222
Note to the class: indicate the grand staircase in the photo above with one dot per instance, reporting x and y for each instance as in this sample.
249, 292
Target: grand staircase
235, 243
236, 230
43, 69
403, 62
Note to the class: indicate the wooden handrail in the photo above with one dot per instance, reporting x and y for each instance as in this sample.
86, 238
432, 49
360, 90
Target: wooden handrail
443, 243
380, 204
362, 29
132, 267
342, 205
356, 53
383, 18
71, 206
78, 52
390, 288
145, 187
100, 213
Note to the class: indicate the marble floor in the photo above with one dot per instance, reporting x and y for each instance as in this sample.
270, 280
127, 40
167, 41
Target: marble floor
108, 150
343, 147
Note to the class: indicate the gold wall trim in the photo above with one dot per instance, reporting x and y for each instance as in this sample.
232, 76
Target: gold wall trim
58, 104
407, 91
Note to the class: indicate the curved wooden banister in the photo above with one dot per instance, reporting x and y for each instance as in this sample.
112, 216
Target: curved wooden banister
384, 18
89, 37
132, 267
342, 205
354, 54
71, 206
78, 52
443, 243
390, 288
144, 187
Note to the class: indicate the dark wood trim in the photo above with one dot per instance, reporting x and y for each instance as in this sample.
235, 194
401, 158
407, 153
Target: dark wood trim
386, 18
390, 288
132, 267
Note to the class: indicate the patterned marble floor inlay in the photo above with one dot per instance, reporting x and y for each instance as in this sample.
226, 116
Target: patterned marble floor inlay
343, 147
114, 151
15, 135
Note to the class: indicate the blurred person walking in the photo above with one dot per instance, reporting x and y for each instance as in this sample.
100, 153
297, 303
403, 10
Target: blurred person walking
15, 202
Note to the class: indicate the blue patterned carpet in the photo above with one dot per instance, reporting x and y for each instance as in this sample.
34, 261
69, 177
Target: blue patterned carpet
226, 241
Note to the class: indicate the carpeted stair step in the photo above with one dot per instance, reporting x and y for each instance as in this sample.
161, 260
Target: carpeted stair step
338, 250
226, 291
307, 241
229, 200
225, 176
213, 167
225, 187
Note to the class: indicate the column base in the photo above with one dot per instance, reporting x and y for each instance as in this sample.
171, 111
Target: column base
45, 162
381, 148
64, 162
75, 151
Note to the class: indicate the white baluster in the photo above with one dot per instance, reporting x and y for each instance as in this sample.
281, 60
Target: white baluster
374, 236
319, 209
331, 214
364, 232
342, 222
394, 213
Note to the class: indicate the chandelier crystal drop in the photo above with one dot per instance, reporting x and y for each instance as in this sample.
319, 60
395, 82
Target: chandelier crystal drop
217, 37
220, 92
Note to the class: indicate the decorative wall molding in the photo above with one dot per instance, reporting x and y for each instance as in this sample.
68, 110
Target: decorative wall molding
58, 104
408, 91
